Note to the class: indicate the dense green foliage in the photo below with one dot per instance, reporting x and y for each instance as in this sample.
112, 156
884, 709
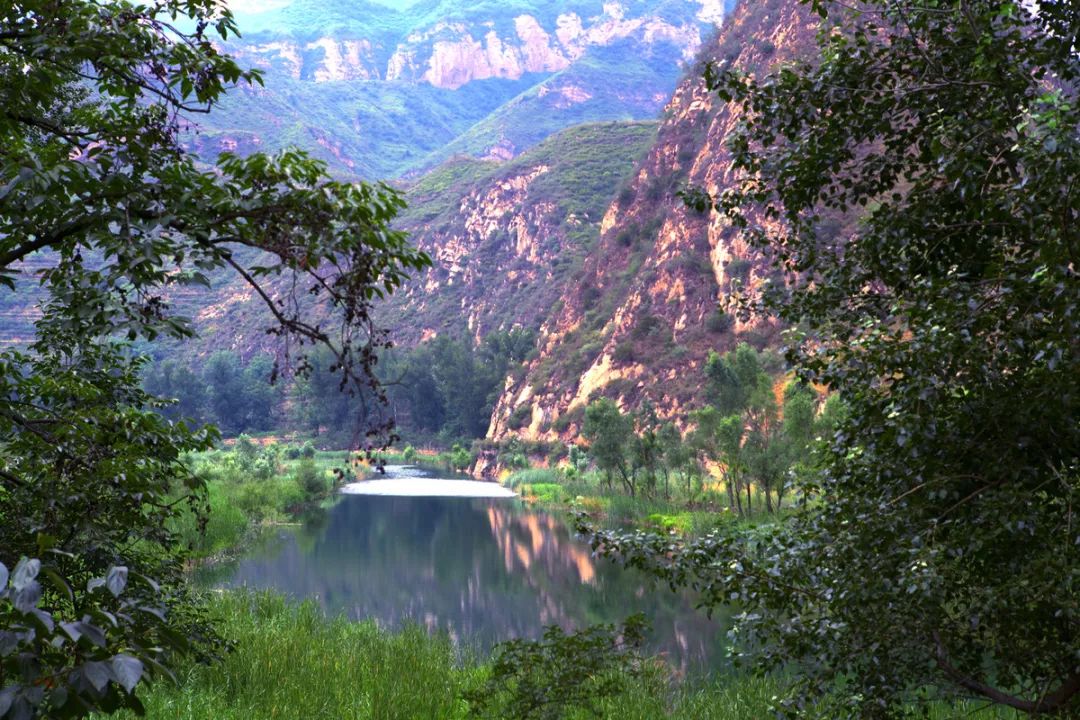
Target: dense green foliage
94, 182
443, 389
448, 387
546, 679
757, 442
233, 397
939, 555
251, 485
755, 438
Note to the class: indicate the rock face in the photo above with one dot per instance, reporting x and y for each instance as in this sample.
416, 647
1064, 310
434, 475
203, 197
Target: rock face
378, 92
451, 53
642, 316
508, 237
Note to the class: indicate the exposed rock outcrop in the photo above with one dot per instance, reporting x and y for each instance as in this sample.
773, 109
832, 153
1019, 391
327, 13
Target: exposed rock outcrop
449, 54
642, 317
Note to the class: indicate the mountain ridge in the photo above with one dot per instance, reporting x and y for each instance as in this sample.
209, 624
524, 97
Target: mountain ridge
349, 82
644, 317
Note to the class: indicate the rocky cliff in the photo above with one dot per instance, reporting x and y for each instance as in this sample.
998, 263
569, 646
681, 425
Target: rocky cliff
456, 43
508, 237
378, 92
643, 313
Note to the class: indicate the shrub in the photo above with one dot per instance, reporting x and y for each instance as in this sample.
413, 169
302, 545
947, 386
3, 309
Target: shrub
245, 447
549, 678
718, 322
310, 479
623, 353
520, 417
534, 477
546, 492
460, 458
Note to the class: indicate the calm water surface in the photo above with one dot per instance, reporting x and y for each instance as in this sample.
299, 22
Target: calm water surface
484, 570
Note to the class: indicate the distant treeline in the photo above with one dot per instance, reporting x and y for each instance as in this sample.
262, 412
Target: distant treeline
444, 389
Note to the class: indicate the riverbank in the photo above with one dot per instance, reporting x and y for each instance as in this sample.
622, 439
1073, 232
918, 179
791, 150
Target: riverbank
689, 510
290, 661
250, 488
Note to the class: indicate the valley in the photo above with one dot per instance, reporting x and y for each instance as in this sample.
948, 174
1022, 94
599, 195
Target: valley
539, 359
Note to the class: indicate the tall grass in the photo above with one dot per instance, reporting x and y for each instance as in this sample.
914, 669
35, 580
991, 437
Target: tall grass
262, 486
292, 662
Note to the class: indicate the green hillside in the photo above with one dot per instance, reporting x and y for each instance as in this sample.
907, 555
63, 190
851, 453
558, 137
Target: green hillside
513, 274
368, 129
619, 82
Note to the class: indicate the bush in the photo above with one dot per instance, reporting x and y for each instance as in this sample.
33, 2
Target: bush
533, 476
460, 458
409, 454
548, 678
310, 479
623, 353
718, 322
562, 423
245, 447
520, 417
308, 450
545, 492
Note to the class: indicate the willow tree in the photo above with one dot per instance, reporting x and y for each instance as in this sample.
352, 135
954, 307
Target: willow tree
939, 554
98, 194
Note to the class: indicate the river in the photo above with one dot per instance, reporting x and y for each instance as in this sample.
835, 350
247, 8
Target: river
483, 569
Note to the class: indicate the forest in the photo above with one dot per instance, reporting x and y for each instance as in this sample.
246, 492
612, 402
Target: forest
797, 439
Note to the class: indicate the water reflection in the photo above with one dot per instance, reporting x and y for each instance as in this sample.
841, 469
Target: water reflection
484, 570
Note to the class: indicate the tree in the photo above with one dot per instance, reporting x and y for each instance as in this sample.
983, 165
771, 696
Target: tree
223, 377
765, 454
95, 184
609, 433
172, 380
646, 450
720, 439
318, 400
941, 557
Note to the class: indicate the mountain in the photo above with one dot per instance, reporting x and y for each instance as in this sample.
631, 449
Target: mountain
580, 237
379, 92
642, 316
508, 238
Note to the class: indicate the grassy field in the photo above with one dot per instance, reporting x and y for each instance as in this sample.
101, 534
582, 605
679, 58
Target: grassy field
290, 661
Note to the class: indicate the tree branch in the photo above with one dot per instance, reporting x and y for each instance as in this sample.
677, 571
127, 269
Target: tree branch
1046, 704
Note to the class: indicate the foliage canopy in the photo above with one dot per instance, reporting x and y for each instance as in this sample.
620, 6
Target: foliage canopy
101, 205
939, 553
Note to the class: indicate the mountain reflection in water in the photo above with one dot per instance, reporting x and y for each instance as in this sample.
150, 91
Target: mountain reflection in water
484, 570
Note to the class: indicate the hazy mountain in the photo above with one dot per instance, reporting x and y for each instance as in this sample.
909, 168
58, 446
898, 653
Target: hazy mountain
379, 91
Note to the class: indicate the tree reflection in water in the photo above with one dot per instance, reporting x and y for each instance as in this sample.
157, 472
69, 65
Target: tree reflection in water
483, 570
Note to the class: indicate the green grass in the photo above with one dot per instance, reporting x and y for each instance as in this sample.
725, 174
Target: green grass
290, 661
245, 492
534, 476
